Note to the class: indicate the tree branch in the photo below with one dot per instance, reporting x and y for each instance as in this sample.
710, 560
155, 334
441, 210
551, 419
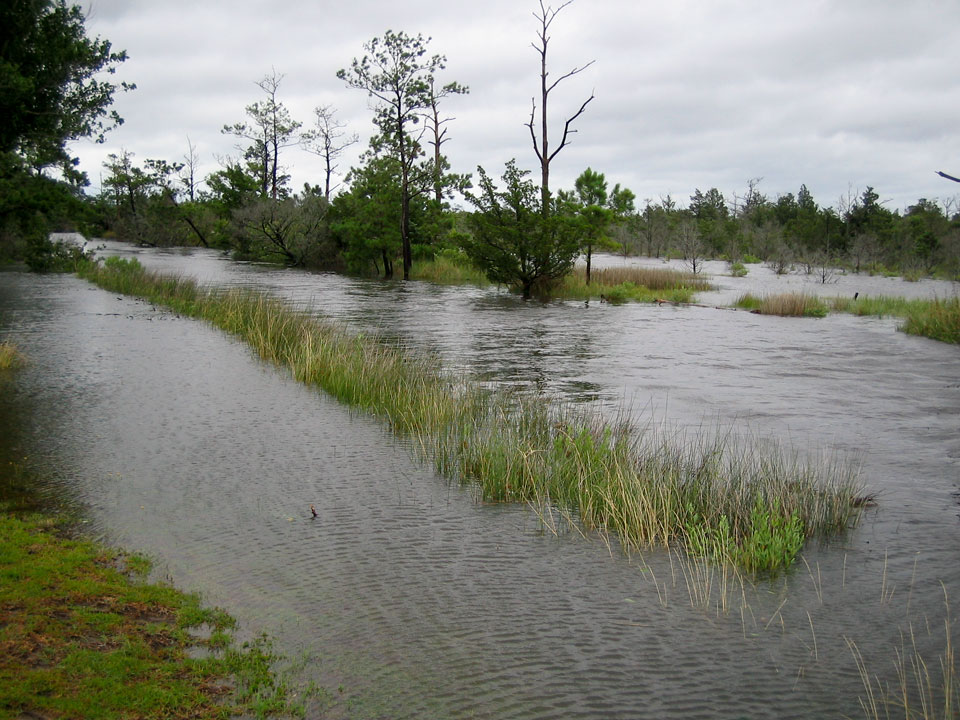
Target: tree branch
566, 126
533, 134
570, 74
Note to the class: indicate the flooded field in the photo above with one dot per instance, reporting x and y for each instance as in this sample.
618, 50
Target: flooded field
423, 603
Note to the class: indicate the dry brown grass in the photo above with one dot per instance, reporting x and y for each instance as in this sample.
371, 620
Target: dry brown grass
785, 304
653, 278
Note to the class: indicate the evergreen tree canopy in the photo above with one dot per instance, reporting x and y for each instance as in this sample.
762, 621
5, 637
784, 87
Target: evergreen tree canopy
49, 92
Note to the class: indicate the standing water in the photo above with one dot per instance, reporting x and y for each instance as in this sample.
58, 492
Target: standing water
421, 602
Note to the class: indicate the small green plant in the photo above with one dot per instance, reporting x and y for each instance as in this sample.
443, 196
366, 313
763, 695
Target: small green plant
772, 540
751, 259
738, 269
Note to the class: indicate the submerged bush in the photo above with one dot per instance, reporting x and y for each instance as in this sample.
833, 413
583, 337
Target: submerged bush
45, 256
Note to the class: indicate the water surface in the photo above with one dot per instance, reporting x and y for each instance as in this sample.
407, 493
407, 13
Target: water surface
422, 602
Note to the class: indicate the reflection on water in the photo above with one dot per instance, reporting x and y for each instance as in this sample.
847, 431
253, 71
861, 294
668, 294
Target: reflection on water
420, 601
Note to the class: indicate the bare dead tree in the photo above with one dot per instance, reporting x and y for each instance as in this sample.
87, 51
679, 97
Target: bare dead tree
188, 174
542, 148
328, 140
434, 122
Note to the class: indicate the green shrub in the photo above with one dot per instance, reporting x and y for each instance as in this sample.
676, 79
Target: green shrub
46, 256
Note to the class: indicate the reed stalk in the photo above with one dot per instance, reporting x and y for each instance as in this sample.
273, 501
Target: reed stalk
924, 688
10, 357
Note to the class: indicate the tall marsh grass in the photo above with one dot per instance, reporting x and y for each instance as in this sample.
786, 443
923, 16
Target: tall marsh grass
938, 319
785, 304
636, 284
745, 503
449, 268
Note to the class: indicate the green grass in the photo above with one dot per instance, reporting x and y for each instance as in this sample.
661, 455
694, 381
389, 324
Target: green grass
786, 305
643, 485
938, 319
10, 357
80, 638
449, 268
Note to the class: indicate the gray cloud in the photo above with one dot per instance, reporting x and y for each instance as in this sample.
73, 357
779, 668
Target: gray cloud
837, 95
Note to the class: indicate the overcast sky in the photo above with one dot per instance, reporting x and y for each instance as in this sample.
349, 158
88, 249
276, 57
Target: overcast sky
836, 94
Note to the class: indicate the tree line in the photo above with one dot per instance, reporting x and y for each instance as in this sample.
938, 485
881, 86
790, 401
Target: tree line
399, 203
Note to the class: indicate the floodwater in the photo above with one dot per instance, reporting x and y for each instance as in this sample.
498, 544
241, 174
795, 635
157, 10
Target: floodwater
407, 598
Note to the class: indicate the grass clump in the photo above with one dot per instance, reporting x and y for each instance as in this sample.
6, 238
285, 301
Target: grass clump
10, 357
645, 487
740, 504
938, 319
81, 638
631, 285
449, 267
786, 305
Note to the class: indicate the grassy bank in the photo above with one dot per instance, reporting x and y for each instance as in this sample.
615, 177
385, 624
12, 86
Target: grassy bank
936, 319
449, 269
745, 503
926, 687
82, 637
